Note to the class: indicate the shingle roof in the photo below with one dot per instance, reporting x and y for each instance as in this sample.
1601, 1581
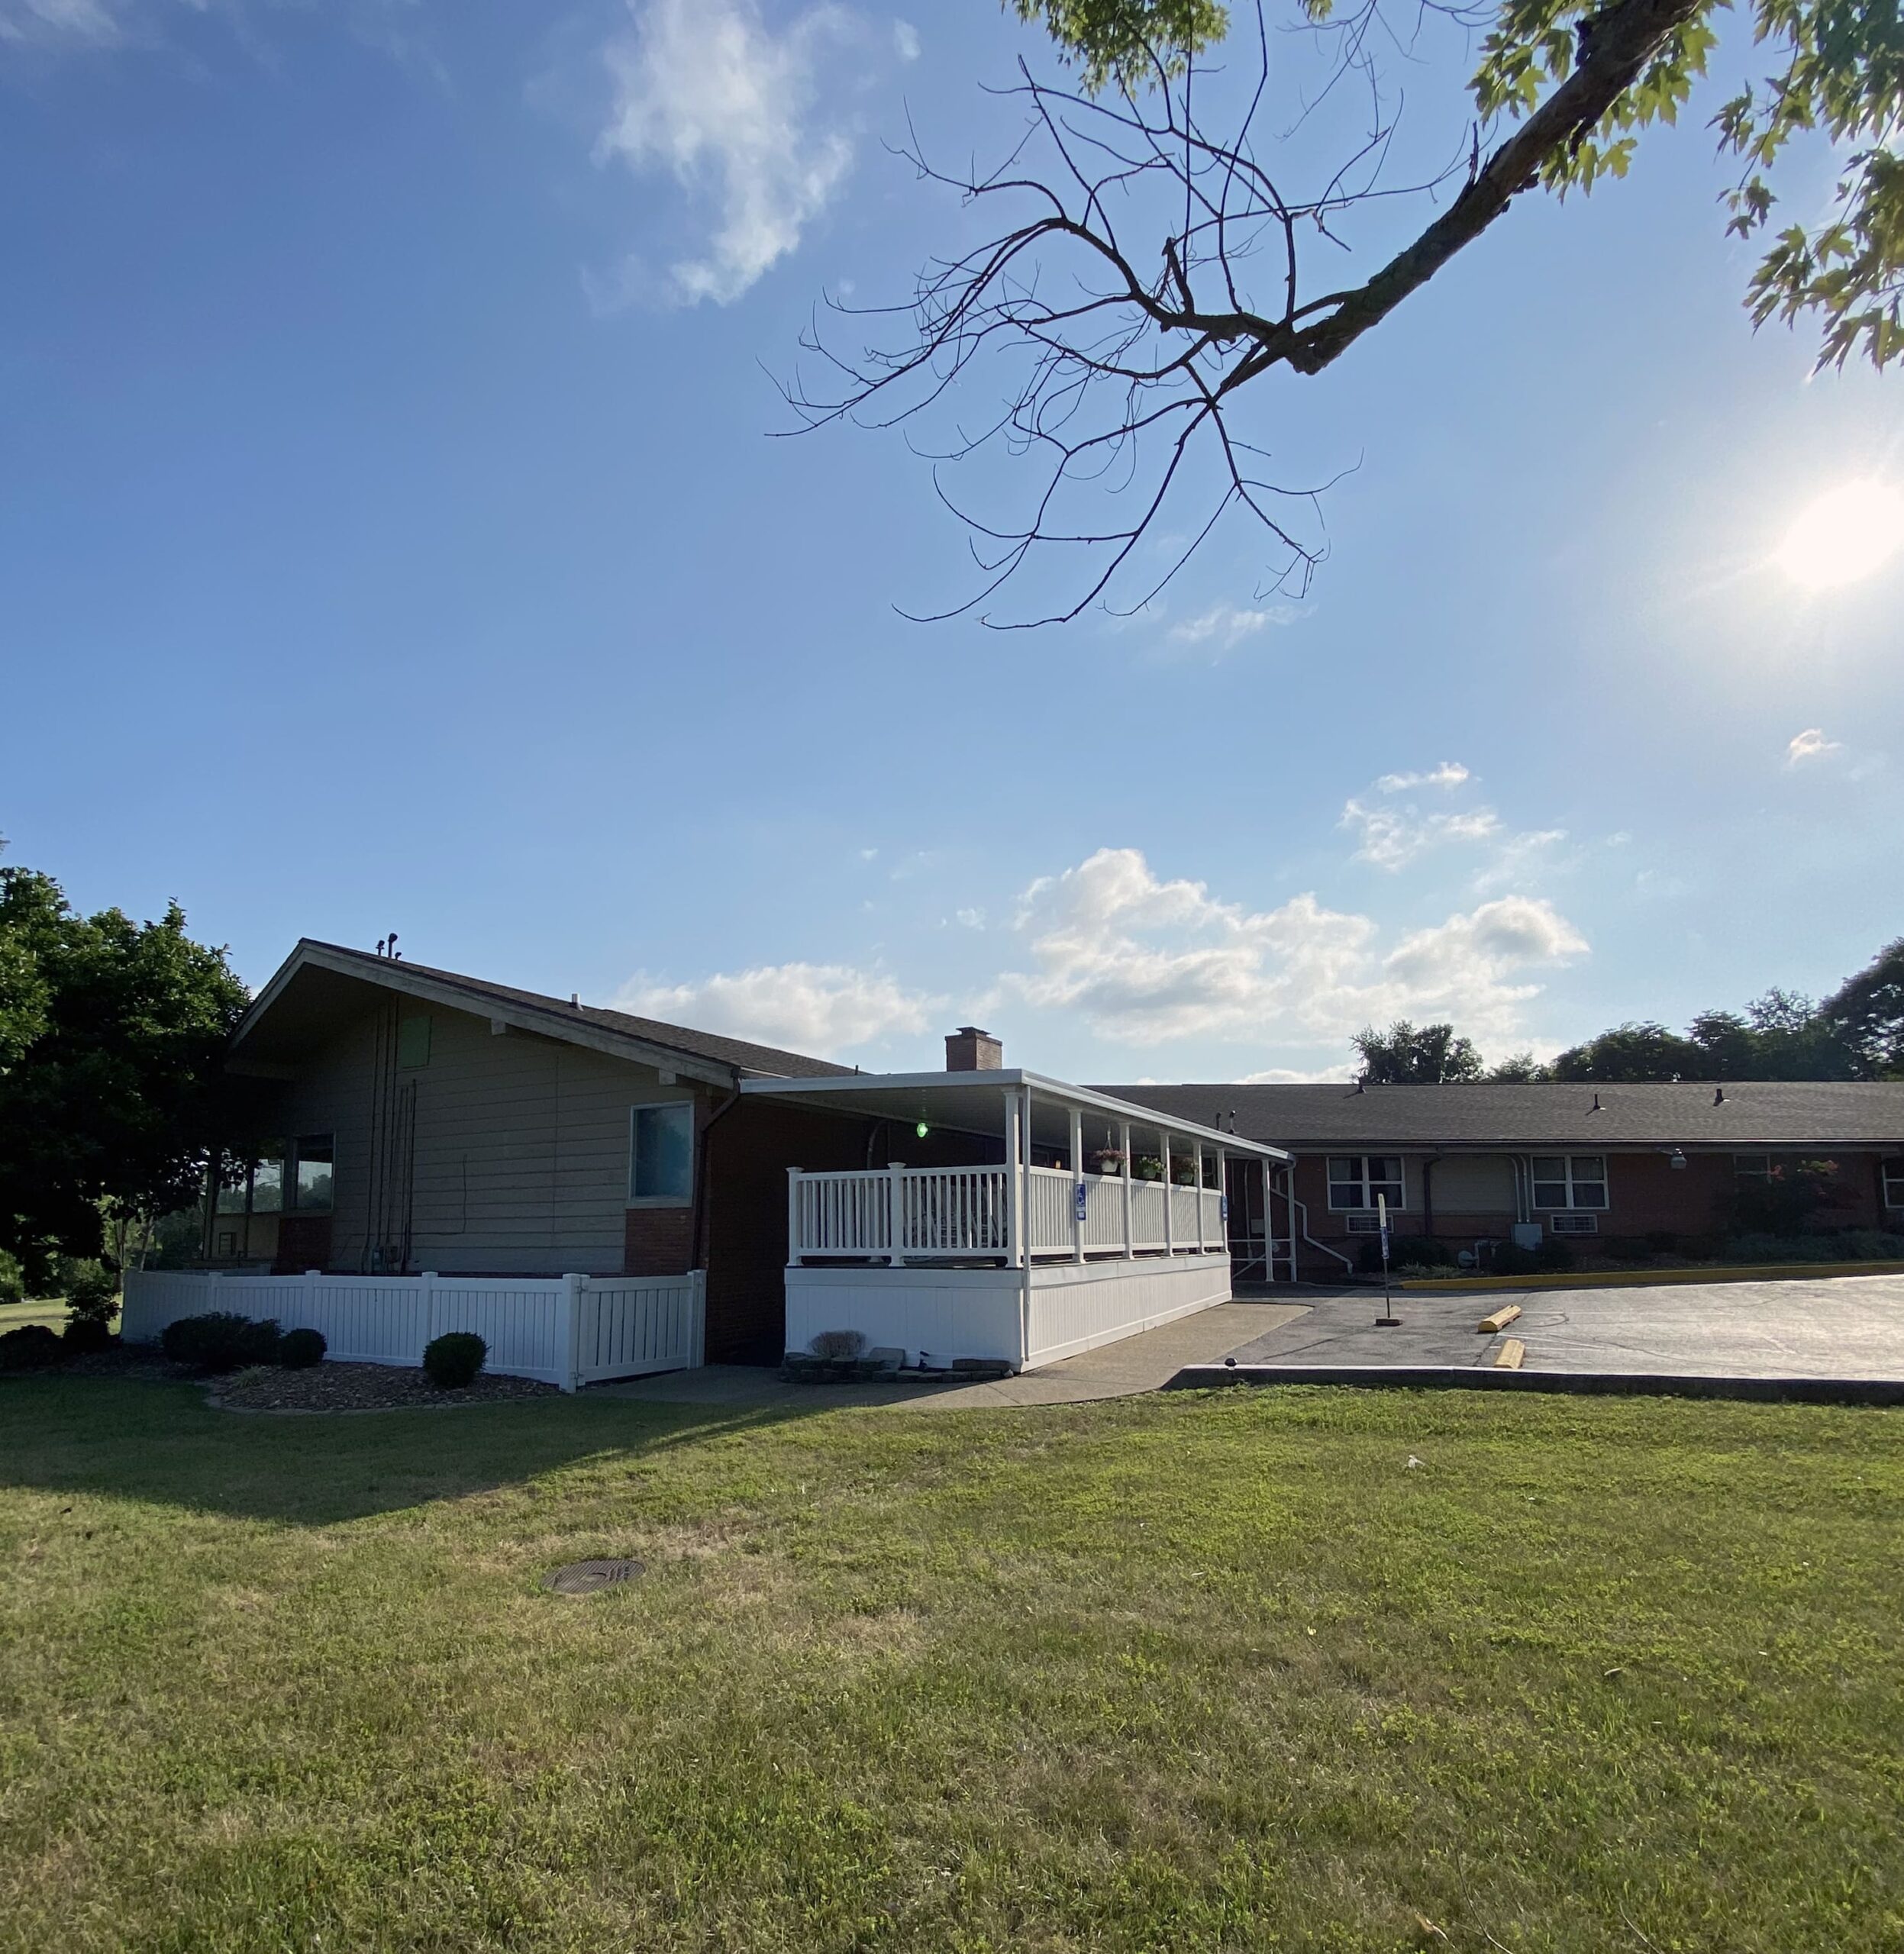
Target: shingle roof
767, 1060
1752, 1114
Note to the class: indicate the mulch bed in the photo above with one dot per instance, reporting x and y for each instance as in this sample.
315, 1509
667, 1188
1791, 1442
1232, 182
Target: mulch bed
329, 1387
326, 1387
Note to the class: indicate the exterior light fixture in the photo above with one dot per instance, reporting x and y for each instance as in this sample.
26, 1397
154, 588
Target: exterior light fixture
1677, 1158
920, 1130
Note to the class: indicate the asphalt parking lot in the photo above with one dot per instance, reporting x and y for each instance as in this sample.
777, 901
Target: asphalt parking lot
1850, 1326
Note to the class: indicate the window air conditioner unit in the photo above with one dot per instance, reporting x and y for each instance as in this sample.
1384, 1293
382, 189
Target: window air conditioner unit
1574, 1224
1365, 1225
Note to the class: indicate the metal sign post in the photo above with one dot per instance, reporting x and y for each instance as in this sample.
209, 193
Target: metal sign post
1388, 1319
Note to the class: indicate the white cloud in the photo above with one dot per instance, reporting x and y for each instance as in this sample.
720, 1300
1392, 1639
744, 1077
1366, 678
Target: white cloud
72, 23
1339, 1075
1449, 773
1144, 961
1811, 745
1223, 626
820, 1009
706, 90
1393, 838
905, 39
972, 918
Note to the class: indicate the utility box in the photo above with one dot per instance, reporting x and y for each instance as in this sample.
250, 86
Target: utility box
1527, 1234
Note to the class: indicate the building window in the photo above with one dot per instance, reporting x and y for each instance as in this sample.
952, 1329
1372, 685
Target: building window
661, 1152
1355, 1179
1893, 1172
311, 1181
1570, 1180
1752, 1166
413, 1038
288, 1174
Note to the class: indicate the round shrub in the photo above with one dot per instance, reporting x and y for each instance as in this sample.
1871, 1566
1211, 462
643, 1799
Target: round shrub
452, 1361
300, 1349
32, 1347
90, 1288
221, 1342
85, 1335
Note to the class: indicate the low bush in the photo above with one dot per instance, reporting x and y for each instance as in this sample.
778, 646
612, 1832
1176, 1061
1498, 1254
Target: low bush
454, 1361
1510, 1258
90, 1289
1422, 1250
85, 1335
32, 1347
1854, 1245
221, 1342
300, 1349
837, 1344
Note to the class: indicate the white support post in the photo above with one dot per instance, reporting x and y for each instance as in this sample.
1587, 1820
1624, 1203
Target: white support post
428, 1279
569, 1331
1123, 1141
795, 1247
1196, 1178
895, 1212
1170, 1194
1222, 1198
1014, 1181
1077, 1184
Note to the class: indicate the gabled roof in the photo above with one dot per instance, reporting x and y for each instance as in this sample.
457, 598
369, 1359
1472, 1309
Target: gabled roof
702, 1054
1752, 1113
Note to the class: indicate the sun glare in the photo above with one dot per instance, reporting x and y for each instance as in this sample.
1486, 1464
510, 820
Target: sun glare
1844, 535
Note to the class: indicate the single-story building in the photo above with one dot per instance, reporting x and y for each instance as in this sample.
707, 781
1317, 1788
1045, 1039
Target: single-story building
414, 1149
1610, 1168
401, 1123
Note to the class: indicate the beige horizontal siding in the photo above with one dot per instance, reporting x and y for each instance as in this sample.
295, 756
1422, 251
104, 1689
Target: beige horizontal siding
522, 1150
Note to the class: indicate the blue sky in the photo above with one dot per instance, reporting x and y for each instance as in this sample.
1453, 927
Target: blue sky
392, 539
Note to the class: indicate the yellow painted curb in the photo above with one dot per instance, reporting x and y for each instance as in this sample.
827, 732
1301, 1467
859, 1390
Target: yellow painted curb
1621, 1278
1508, 1358
1494, 1325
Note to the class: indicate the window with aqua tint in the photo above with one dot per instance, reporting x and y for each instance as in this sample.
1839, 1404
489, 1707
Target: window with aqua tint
1576, 1180
413, 1038
232, 1196
661, 1147
1355, 1179
311, 1191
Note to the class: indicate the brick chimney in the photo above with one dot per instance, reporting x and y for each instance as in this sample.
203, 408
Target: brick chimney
970, 1049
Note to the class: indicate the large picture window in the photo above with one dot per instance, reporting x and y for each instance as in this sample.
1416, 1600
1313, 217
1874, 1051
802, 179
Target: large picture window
1893, 1172
1355, 1179
288, 1176
661, 1152
1570, 1180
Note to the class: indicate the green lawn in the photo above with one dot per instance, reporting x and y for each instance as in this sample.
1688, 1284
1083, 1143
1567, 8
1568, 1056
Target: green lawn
1181, 1672
49, 1309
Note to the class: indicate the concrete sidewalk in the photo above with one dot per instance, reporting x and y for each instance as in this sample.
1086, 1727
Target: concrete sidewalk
1144, 1362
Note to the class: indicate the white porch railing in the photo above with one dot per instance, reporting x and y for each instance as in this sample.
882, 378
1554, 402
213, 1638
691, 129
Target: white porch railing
944, 1213
566, 1330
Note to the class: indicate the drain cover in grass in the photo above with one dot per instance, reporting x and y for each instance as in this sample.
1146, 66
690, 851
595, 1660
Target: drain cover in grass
590, 1577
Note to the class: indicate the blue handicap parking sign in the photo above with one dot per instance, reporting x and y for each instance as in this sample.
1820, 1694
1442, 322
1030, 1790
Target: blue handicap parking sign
1078, 1199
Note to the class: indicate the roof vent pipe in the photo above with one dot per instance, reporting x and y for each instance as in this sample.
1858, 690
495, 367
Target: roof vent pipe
1596, 1106
1718, 1095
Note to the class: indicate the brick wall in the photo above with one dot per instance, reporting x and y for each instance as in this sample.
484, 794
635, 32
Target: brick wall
1646, 1196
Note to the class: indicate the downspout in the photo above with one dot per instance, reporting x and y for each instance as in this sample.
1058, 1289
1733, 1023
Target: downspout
698, 1247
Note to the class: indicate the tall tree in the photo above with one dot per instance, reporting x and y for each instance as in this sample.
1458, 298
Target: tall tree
111, 1035
1178, 226
1409, 1054
1868, 1012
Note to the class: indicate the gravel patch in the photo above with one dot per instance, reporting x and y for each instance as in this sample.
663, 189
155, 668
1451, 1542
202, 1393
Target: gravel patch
332, 1387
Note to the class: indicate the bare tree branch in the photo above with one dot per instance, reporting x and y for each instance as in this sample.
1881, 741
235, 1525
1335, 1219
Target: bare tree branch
1118, 384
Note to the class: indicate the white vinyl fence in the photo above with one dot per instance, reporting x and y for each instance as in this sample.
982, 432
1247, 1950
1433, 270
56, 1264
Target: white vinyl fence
566, 1330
